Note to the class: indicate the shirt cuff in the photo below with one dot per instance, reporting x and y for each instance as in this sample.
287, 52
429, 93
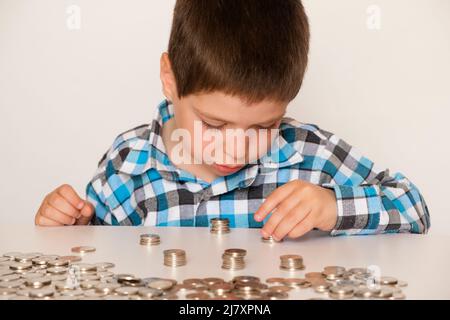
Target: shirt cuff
358, 209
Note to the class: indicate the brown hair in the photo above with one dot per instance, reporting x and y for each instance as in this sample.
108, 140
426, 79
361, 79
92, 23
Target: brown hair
254, 49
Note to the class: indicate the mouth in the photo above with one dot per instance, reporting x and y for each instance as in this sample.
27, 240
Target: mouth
226, 168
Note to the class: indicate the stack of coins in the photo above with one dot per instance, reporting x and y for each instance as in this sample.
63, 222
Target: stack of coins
83, 249
233, 259
291, 262
220, 226
174, 257
269, 239
150, 239
334, 272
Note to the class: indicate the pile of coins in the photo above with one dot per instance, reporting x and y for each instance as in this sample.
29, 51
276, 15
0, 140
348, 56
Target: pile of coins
291, 262
340, 283
51, 277
233, 259
174, 257
150, 239
220, 226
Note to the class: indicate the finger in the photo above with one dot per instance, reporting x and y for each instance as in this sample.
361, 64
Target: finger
46, 222
38, 213
290, 221
278, 214
302, 227
56, 215
59, 202
86, 214
68, 193
88, 210
273, 200
83, 221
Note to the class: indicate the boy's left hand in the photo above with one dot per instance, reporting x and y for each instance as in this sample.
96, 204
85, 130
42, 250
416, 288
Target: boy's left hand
300, 207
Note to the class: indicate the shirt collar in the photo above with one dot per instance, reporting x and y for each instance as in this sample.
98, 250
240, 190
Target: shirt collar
281, 154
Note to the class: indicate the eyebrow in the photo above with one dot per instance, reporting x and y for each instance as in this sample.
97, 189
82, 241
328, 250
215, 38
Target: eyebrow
211, 117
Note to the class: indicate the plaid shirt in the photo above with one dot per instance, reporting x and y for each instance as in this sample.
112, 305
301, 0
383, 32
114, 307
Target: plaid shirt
136, 183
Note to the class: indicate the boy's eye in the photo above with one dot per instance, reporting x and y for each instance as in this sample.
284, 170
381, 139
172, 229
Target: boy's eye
212, 126
269, 126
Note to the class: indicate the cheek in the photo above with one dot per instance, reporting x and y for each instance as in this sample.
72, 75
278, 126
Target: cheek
264, 144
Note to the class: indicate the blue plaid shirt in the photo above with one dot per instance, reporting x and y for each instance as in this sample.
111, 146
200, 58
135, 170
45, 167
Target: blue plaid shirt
136, 183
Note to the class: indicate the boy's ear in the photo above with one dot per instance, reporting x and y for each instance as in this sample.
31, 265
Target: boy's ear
168, 82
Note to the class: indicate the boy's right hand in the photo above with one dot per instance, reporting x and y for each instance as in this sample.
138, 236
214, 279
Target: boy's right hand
63, 206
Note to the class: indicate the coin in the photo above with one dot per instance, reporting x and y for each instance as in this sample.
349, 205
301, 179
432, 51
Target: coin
220, 226
275, 280
129, 280
321, 286
402, 283
149, 292
385, 293
174, 257
38, 282
341, 292
280, 288
297, 283
83, 249
106, 288
291, 262
212, 281
104, 265
41, 293
270, 239
197, 296
57, 270
10, 277
274, 295
126, 291
365, 292
89, 284
58, 263
397, 296
221, 288
149, 239
71, 259
26, 257
84, 267
387, 280
160, 284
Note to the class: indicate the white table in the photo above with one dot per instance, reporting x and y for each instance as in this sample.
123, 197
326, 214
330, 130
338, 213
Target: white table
421, 260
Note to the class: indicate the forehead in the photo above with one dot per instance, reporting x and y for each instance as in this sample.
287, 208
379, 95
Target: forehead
232, 109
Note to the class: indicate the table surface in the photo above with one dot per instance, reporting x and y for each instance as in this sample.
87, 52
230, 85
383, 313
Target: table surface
421, 260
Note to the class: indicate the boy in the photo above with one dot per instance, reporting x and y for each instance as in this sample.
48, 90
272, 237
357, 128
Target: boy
233, 66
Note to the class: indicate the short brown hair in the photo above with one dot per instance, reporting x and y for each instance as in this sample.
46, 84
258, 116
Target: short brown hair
254, 49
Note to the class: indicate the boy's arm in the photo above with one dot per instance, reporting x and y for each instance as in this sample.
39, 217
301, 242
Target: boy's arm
370, 200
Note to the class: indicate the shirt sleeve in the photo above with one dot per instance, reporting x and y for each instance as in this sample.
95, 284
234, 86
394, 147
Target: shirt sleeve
101, 209
369, 199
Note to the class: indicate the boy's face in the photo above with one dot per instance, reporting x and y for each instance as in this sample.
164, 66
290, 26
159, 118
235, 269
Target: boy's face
221, 133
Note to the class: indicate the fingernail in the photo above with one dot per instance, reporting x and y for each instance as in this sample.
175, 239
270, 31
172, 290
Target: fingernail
264, 233
80, 205
79, 216
257, 217
73, 221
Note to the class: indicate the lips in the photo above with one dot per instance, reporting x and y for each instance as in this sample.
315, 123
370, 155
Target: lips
227, 169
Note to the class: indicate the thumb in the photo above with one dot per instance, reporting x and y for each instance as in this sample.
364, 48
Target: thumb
86, 212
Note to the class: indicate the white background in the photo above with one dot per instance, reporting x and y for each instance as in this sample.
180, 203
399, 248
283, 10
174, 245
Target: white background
66, 94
